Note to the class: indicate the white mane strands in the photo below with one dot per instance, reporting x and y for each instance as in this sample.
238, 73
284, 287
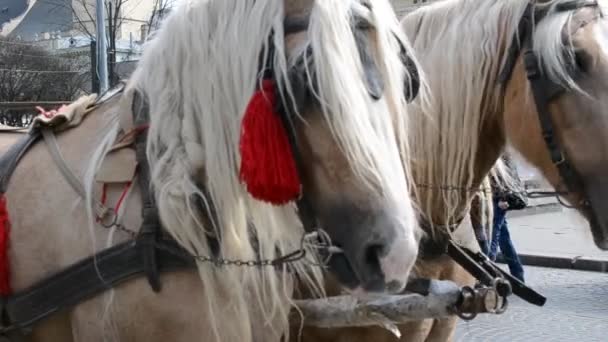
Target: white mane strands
461, 45
198, 74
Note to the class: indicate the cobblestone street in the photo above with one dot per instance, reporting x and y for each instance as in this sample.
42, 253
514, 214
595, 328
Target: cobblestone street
576, 310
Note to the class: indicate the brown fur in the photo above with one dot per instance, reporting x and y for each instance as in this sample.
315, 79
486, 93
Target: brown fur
581, 126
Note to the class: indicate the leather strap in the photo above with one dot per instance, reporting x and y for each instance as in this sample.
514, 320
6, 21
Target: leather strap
10, 159
490, 274
286, 114
151, 227
89, 278
543, 91
148, 254
51, 142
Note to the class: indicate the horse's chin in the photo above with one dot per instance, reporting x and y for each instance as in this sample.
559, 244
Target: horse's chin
351, 284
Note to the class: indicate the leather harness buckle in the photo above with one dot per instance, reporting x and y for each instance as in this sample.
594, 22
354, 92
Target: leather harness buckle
557, 157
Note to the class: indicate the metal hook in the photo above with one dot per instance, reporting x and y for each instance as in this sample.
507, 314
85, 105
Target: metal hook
110, 213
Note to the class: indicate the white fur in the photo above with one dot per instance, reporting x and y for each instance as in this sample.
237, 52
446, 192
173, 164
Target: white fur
363, 127
199, 73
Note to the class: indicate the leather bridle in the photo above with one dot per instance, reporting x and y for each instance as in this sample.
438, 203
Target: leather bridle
545, 90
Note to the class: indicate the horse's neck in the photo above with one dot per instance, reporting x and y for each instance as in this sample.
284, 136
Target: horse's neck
431, 200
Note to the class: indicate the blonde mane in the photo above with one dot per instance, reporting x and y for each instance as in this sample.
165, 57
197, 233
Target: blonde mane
199, 72
464, 91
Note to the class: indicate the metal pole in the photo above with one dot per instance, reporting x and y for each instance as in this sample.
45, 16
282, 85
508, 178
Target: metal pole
102, 47
94, 73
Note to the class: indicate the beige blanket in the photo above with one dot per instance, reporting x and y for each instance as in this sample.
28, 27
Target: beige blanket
119, 164
66, 116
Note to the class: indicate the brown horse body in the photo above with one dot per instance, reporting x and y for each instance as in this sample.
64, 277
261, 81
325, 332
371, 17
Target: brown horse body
463, 129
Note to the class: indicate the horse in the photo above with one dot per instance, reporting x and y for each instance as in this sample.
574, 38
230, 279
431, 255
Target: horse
530, 75
321, 84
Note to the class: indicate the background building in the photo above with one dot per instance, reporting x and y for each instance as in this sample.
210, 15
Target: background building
34, 19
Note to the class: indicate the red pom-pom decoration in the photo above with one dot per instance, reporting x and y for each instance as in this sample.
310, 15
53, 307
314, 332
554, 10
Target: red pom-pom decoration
268, 168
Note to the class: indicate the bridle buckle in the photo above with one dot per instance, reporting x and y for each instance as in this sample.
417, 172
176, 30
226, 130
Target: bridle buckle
561, 160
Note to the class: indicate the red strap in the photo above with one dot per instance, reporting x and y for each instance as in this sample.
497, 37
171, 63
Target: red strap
104, 189
122, 196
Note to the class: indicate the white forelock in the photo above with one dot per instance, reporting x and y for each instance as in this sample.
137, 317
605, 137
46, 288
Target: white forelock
461, 45
198, 74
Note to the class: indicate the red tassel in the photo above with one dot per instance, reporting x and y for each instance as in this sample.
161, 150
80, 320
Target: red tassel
5, 226
267, 165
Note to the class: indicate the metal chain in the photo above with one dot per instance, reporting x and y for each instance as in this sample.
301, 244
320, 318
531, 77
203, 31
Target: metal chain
288, 258
450, 188
221, 262
530, 194
299, 254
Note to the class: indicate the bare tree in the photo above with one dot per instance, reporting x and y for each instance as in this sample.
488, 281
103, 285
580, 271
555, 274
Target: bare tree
159, 11
84, 21
31, 73
83, 13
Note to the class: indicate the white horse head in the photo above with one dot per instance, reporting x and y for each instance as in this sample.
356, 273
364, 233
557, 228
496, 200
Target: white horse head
342, 80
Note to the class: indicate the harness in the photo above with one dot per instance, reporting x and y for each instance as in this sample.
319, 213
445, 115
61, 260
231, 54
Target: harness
151, 251
147, 254
544, 91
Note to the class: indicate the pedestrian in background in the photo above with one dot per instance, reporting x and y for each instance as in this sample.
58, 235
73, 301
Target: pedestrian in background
481, 216
505, 200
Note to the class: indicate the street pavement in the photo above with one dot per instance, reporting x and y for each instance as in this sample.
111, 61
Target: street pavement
559, 233
576, 310
577, 301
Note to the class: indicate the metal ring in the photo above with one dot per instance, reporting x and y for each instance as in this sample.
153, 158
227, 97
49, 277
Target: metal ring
561, 160
502, 287
503, 308
467, 316
112, 222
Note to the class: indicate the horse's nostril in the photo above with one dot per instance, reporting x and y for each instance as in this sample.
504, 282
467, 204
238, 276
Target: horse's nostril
373, 253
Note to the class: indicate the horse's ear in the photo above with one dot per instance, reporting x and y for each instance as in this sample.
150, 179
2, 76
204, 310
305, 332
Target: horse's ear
373, 77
